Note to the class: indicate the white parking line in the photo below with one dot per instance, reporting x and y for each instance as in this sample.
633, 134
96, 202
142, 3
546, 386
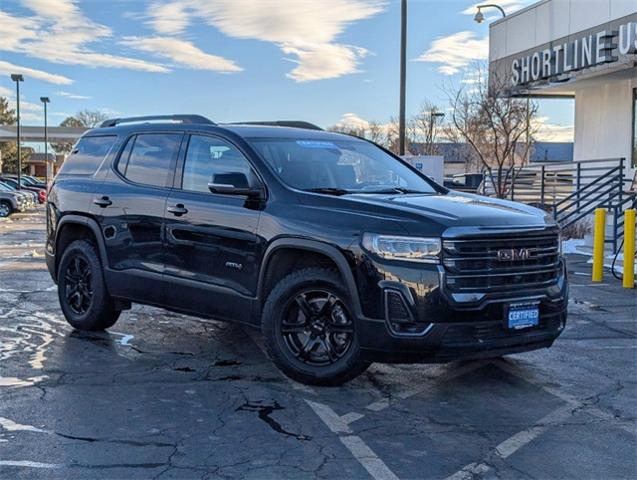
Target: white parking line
379, 405
568, 398
511, 445
27, 463
514, 443
340, 426
358, 448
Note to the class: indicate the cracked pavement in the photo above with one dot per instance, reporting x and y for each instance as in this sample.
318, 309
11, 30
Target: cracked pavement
164, 395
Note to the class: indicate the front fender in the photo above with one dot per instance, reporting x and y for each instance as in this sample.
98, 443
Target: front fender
313, 246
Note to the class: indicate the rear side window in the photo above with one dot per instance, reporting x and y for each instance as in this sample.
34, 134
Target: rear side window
87, 155
149, 158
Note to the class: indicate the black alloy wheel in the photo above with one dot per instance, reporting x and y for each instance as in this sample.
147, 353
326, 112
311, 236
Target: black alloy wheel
82, 291
310, 329
317, 327
78, 285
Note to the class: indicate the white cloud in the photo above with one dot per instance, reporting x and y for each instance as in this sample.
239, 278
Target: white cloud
169, 18
352, 120
182, 53
304, 29
60, 33
326, 60
72, 96
14, 30
9, 68
456, 52
551, 132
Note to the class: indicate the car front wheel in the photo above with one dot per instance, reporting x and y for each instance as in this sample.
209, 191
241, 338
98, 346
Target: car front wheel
5, 209
310, 331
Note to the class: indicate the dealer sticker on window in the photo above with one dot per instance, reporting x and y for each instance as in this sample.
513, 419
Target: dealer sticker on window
523, 316
315, 144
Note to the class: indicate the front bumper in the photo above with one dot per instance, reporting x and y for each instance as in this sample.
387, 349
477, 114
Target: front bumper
448, 327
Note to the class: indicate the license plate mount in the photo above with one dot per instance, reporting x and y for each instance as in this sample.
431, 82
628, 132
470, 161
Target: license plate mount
522, 315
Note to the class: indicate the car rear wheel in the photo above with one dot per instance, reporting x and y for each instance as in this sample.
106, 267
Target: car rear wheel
310, 330
5, 209
82, 291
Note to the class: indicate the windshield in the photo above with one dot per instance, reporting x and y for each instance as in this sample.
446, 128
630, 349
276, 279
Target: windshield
338, 166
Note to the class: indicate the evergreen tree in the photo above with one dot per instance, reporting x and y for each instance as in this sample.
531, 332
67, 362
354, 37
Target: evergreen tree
9, 150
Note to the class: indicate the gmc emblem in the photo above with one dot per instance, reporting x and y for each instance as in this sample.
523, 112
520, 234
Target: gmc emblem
514, 254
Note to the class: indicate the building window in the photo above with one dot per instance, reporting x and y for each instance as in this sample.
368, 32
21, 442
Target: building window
635, 127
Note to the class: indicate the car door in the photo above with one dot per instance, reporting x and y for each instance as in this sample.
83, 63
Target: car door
129, 207
212, 249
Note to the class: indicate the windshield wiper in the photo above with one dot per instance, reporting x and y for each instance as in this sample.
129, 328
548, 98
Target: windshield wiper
328, 190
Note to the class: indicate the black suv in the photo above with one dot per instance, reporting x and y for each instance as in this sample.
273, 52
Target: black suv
340, 252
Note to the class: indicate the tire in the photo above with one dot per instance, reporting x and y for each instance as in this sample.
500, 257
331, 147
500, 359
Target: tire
299, 321
5, 209
82, 292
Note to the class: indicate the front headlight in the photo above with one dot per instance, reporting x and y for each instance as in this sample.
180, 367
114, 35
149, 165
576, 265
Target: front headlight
412, 249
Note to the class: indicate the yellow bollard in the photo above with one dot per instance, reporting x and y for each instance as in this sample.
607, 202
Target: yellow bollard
629, 249
599, 234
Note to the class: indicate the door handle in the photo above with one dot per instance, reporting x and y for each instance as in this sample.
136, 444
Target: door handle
178, 210
102, 202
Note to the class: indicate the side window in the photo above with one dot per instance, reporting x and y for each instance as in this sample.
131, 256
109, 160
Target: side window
148, 158
87, 155
212, 160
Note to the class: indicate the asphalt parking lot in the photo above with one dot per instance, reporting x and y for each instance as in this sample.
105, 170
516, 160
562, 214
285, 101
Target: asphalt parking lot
168, 396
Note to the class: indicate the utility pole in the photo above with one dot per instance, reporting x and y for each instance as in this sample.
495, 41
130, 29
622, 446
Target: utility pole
46, 100
403, 76
17, 78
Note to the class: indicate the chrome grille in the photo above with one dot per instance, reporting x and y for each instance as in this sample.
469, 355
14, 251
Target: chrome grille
472, 264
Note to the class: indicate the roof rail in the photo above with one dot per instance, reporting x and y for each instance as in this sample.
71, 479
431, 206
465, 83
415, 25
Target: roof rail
175, 118
283, 123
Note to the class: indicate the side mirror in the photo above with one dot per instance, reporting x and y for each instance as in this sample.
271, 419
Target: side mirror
234, 183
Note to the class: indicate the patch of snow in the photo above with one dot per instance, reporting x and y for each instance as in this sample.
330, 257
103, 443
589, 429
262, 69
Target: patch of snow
570, 246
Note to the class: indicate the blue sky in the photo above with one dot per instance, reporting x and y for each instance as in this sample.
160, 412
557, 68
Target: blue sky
233, 60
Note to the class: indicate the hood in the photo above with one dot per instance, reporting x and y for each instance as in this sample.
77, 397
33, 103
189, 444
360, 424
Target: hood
456, 209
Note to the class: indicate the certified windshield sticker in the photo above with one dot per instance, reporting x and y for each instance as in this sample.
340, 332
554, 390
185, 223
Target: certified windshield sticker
315, 144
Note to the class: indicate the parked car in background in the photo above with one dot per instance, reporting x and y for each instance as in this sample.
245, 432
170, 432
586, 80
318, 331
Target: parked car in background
11, 202
34, 181
464, 182
25, 185
30, 197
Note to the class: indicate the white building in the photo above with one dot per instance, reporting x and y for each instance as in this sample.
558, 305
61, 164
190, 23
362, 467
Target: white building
584, 49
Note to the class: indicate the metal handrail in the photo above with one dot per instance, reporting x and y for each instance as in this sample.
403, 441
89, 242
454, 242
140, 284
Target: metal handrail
573, 190
585, 210
594, 182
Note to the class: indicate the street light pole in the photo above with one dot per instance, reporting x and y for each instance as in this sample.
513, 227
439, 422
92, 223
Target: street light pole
403, 76
433, 115
17, 78
44, 101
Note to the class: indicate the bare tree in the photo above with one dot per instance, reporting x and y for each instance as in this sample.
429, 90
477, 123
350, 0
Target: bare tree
498, 128
426, 125
376, 133
392, 142
462, 151
90, 118
83, 118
